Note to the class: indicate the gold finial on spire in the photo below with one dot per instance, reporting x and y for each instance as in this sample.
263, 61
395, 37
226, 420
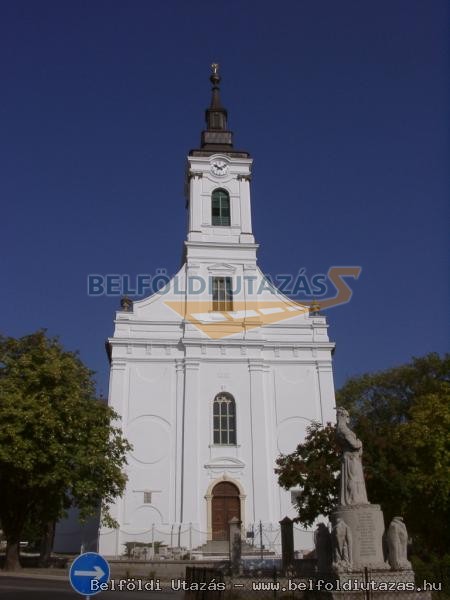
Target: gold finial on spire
215, 80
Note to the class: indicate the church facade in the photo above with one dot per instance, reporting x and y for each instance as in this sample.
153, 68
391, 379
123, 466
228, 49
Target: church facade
215, 375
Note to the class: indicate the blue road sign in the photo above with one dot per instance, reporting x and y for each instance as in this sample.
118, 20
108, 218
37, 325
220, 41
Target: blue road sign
86, 568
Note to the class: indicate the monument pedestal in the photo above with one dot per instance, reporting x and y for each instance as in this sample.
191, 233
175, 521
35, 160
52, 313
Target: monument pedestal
366, 525
359, 570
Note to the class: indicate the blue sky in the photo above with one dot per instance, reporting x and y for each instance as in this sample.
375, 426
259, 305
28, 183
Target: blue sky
343, 106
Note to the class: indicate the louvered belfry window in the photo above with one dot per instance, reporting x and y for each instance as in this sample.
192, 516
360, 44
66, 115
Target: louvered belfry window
220, 203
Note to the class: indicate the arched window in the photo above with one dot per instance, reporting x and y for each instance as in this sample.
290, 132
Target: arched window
224, 419
220, 206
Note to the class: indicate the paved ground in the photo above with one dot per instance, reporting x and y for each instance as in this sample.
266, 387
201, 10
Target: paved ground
28, 588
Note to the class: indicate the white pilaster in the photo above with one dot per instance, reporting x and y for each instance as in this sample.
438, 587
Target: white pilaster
179, 388
260, 458
246, 216
190, 500
326, 389
195, 206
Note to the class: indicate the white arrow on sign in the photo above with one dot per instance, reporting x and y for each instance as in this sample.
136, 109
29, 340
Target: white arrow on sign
97, 573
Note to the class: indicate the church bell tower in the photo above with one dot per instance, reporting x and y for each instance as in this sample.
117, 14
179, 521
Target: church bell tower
219, 183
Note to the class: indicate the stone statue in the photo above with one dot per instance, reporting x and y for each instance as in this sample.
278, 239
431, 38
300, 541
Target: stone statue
397, 542
342, 546
353, 487
322, 543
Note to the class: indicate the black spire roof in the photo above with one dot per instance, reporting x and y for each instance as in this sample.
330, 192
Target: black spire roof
216, 137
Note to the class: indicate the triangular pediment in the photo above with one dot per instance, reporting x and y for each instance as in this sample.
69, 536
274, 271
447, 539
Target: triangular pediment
221, 267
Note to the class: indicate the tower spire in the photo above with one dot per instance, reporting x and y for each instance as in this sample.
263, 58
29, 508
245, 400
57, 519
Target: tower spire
216, 135
215, 80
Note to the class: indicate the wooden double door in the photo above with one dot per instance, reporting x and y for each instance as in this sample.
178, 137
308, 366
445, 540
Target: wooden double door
225, 505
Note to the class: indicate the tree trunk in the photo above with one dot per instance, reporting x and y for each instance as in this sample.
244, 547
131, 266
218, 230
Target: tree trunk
12, 560
47, 544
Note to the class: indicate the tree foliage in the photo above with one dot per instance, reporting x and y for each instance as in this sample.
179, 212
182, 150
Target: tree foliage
402, 416
314, 468
59, 446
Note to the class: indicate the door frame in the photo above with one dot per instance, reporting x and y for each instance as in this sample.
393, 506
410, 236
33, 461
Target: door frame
209, 496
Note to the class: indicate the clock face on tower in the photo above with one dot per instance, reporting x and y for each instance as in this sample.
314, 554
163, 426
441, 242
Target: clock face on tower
219, 167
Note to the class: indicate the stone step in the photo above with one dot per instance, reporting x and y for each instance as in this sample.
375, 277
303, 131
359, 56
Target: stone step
221, 547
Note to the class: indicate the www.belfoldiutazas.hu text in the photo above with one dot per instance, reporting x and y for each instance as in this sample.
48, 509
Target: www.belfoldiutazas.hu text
348, 586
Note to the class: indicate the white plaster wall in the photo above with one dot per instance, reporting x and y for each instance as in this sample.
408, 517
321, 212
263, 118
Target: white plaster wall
277, 395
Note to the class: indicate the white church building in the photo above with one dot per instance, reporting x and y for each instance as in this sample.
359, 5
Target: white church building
215, 375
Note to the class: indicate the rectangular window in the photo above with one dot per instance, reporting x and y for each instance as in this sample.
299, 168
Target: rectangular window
222, 294
147, 497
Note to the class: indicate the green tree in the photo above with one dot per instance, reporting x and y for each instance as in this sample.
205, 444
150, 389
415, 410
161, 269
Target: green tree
402, 416
59, 446
314, 468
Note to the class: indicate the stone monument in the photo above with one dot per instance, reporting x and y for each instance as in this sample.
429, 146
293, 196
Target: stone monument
353, 550
360, 522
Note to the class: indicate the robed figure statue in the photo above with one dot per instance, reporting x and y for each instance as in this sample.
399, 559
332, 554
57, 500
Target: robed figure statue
397, 543
353, 487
